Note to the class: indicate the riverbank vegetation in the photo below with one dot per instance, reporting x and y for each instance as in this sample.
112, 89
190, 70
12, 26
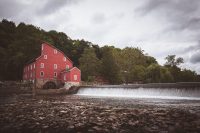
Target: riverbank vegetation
21, 43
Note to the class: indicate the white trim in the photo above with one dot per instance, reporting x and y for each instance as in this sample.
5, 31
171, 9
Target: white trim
67, 66
55, 74
34, 65
42, 47
41, 74
41, 65
75, 77
45, 56
55, 51
64, 77
73, 68
55, 66
64, 59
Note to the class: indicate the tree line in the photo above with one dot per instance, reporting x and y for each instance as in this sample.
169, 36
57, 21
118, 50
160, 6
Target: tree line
21, 43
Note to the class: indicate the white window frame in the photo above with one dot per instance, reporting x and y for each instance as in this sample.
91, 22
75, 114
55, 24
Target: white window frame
31, 67
64, 59
41, 74
67, 66
75, 77
55, 74
55, 66
64, 77
55, 51
41, 65
42, 47
45, 56
34, 65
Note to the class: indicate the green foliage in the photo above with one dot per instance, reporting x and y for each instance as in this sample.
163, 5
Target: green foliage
109, 69
158, 74
21, 43
172, 61
89, 64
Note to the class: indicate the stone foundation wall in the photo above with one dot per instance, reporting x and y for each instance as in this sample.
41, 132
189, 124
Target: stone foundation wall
69, 84
40, 82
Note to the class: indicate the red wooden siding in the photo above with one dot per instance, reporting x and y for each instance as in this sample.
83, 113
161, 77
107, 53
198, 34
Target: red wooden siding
50, 57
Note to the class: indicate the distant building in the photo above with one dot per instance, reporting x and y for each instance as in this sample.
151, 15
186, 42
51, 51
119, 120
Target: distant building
52, 67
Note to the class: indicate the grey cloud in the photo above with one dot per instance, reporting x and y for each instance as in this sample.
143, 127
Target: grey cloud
195, 58
10, 8
180, 14
195, 53
98, 18
192, 48
52, 6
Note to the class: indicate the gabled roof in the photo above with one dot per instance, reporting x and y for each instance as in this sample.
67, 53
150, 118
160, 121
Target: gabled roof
58, 50
34, 59
69, 70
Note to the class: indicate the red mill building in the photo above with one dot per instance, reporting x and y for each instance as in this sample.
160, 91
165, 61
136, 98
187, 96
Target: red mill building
52, 68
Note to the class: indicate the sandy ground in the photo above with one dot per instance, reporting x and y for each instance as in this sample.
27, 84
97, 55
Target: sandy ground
21, 112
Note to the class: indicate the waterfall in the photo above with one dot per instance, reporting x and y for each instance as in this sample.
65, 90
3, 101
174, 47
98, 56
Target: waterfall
158, 93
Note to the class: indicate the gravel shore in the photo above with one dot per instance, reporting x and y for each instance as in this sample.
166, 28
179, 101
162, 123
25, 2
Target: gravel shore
21, 112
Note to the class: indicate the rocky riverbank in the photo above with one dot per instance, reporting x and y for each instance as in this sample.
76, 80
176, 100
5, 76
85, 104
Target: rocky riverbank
21, 112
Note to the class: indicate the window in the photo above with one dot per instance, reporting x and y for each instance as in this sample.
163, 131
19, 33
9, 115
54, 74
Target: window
64, 77
41, 74
75, 77
55, 51
55, 74
67, 66
42, 65
55, 66
45, 56
31, 67
34, 66
42, 46
64, 58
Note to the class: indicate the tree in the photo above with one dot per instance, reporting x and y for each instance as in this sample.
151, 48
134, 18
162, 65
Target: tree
137, 73
89, 64
188, 76
173, 61
109, 68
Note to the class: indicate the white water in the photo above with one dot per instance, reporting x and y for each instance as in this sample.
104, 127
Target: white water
162, 93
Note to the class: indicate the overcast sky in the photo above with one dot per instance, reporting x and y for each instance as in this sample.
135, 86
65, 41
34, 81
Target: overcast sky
160, 27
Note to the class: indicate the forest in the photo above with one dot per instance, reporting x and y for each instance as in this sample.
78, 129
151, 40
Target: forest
21, 43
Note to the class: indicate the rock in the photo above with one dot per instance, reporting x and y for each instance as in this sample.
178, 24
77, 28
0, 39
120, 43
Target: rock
63, 111
97, 128
45, 126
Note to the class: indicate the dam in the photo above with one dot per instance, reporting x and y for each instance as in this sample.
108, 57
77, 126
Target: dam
154, 91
